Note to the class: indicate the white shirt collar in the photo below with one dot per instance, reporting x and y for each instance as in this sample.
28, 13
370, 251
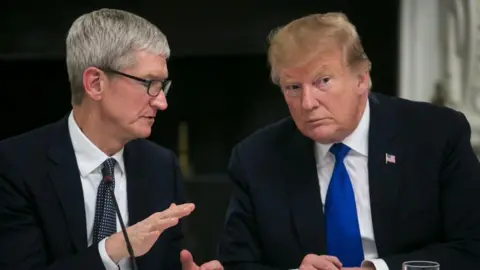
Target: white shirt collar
357, 140
89, 157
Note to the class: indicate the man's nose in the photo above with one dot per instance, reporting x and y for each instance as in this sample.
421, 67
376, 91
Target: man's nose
159, 102
308, 98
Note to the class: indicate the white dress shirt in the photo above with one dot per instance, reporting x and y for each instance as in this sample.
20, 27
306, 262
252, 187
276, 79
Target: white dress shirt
90, 160
356, 163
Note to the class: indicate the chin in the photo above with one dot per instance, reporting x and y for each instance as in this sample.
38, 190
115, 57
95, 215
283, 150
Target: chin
323, 135
143, 133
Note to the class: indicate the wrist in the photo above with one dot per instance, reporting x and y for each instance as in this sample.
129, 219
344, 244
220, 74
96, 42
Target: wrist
116, 248
374, 264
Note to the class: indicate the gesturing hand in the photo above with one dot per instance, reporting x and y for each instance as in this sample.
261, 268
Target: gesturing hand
146, 232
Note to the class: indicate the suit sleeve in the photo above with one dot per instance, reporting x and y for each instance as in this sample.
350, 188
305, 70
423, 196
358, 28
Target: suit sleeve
459, 202
239, 246
21, 240
176, 244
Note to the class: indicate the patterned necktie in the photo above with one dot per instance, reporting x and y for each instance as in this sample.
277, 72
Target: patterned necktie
343, 232
105, 223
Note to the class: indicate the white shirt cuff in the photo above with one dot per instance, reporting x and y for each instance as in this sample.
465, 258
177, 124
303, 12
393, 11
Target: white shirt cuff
107, 261
378, 264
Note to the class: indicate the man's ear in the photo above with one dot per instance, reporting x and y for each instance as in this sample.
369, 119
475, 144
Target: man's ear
93, 82
363, 82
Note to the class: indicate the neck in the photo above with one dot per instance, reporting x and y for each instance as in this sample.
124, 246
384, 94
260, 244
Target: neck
99, 131
358, 118
361, 109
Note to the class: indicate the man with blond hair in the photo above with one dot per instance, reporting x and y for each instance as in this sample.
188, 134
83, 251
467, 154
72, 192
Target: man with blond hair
352, 179
67, 189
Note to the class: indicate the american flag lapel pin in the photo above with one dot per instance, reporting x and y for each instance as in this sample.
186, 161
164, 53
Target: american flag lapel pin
389, 158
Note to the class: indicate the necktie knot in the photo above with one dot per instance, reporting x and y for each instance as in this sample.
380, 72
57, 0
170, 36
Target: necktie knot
340, 151
108, 168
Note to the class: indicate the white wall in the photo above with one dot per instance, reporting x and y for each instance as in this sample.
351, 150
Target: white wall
440, 45
419, 49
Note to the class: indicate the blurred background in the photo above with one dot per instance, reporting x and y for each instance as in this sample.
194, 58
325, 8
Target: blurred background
420, 49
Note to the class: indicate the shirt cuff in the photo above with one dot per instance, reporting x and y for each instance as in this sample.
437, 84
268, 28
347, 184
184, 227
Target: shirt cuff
107, 261
377, 264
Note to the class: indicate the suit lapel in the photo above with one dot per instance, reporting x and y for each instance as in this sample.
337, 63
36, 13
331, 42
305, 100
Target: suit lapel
143, 196
65, 177
384, 177
303, 190
137, 186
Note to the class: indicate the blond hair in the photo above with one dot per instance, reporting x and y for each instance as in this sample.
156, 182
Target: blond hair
303, 38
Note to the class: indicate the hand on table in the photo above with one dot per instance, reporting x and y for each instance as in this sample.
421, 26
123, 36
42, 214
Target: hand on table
320, 262
358, 268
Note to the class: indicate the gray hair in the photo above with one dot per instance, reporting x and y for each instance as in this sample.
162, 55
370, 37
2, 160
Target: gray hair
107, 38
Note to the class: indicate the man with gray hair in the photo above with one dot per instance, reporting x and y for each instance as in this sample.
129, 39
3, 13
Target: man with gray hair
68, 189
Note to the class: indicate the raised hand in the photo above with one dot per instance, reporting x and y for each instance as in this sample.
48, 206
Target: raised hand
146, 232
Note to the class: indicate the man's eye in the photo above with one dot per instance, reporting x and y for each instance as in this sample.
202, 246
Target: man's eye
292, 87
322, 81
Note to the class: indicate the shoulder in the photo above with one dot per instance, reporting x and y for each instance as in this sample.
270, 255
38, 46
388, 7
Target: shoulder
29, 144
150, 151
267, 148
269, 137
421, 115
26, 153
418, 108
27, 140
425, 128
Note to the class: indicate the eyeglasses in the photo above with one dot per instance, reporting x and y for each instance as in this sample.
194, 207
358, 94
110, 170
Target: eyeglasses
154, 87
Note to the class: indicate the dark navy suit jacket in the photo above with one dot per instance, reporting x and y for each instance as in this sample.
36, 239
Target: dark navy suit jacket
42, 215
425, 206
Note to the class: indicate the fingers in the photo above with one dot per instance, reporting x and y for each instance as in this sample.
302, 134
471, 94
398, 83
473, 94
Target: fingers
333, 260
186, 256
163, 224
175, 211
169, 217
187, 262
186, 259
178, 211
146, 232
325, 265
306, 267
149, 225
321, 262
212, 265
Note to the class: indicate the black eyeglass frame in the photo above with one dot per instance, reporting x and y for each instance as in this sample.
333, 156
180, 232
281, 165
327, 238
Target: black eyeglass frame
147, 83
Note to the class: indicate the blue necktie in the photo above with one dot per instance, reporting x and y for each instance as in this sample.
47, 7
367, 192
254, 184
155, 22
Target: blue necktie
343, 233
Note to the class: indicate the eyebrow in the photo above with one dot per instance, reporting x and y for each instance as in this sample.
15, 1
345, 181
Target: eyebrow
288, 80
155, 77
319, 71
323, 69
